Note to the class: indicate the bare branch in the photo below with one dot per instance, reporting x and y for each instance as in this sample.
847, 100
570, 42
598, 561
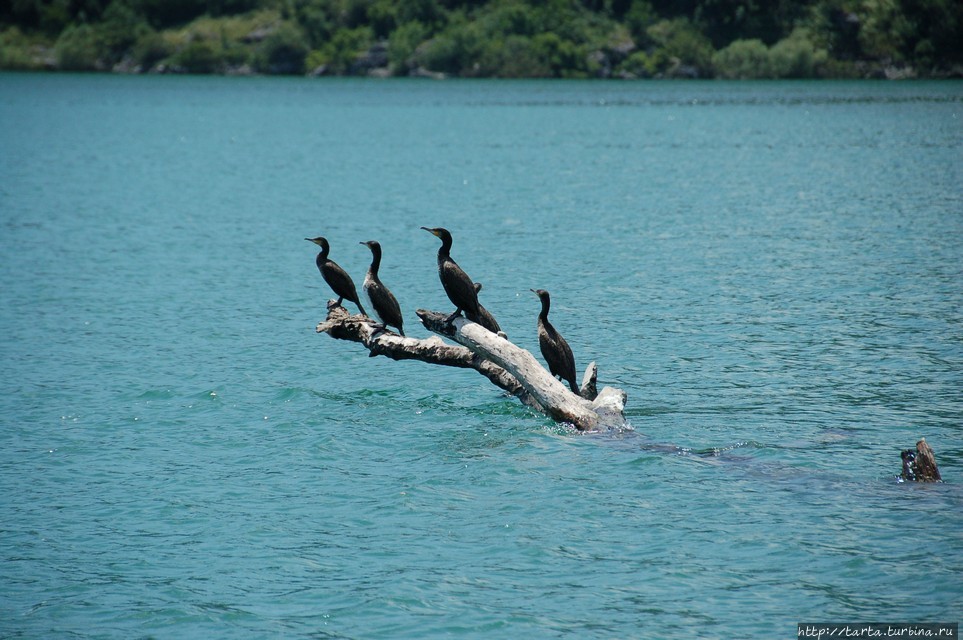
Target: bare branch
356, 328
506, 365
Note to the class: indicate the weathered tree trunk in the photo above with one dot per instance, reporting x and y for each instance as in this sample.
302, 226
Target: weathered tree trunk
920, 465
505, 364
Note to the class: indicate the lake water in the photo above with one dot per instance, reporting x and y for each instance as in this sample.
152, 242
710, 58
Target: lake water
773, 272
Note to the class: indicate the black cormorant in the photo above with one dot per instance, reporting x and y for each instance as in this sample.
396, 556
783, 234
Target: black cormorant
457, 284
384, 303
555, 350
335, 276
485, 318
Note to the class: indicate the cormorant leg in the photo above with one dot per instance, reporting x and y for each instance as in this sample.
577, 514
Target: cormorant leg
449, 319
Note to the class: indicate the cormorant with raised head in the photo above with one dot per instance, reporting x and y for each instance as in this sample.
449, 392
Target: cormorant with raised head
457, 284
383, 301
485, 318
336, 277
555, 350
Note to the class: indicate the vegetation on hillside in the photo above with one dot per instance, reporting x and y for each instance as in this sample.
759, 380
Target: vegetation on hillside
495, 38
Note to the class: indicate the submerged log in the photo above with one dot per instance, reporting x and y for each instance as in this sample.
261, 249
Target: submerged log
920, 465
506, 365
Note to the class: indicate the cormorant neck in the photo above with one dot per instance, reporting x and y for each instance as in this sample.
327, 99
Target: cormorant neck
445, 250
546, 304
324, 254
375, 259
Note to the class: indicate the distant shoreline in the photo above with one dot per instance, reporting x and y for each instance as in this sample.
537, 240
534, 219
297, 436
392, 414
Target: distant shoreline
439, 39
881, 75
872, 73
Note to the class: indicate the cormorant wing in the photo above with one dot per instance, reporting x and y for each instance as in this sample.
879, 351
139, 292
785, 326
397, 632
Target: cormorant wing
459, 287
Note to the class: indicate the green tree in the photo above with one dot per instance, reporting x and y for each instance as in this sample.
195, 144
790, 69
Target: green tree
796, 56
884, 30
838, 29
15, 51
353, 14
638, 19
509, 19
574, 23
403, 43
456, 51
642, 64
343, 49
561, 58
315, 18
78, 49
937, 40
513, 57
743, 59
792, 57
199, 56
427, 12
119, 30
679, 40
383, 18
284, 51
151, 49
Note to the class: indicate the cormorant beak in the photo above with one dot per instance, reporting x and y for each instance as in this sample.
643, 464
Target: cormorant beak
431, 231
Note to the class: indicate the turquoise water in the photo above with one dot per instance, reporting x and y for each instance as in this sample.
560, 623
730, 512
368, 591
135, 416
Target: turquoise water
772, 272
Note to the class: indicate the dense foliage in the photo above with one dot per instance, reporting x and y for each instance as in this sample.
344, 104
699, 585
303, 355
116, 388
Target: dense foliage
496, 38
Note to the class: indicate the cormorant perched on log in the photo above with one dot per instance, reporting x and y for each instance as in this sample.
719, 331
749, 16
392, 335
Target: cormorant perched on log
384, 303
335, 276
485, 318
457, 284
555, 350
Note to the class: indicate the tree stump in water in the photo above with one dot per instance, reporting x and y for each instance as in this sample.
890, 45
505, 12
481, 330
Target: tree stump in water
505, 364
920, 465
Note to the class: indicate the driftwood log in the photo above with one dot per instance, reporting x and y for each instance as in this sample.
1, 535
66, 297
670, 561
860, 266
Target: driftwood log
920, 465
505, 364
